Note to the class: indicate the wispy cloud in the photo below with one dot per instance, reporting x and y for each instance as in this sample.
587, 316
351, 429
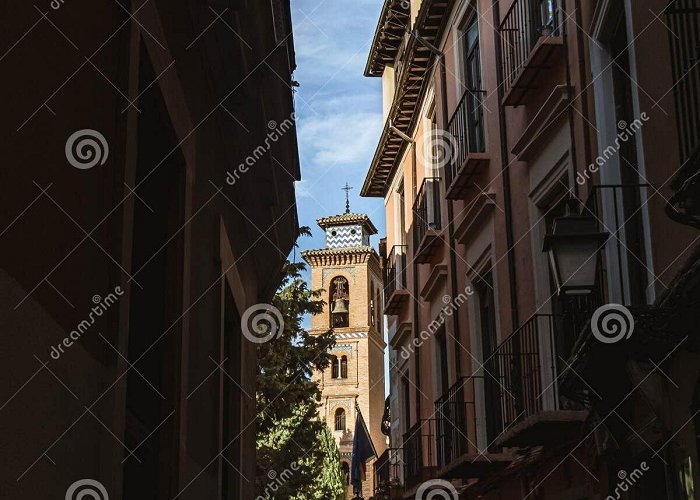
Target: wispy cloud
339, 138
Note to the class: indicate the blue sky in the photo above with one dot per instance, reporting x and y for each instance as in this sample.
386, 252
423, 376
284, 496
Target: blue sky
339, 111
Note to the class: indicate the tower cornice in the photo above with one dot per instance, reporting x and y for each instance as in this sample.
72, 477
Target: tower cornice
340, 256
347, 218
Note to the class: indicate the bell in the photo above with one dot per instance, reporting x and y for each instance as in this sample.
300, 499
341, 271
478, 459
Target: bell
340, 306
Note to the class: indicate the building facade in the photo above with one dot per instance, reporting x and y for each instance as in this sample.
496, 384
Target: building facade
348, 271
132, 250
514, 127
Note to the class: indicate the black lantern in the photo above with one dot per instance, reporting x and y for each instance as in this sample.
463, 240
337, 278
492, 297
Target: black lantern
572, 248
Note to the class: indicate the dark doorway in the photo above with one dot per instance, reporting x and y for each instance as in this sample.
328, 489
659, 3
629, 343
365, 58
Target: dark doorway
489, 343
156, 265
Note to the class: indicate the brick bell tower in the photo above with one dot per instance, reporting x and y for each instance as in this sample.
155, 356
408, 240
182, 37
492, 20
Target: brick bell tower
348, 271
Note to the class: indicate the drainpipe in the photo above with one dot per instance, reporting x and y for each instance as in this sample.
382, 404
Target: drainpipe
450, 207
506, 174
569, 93
450, 230
584, 90
416, 333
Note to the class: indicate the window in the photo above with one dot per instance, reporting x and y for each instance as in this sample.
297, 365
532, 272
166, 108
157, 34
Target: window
473, 84
442, 360
346, 473
334, 366
401, 198
371, 308
378, 310
489, 343
406, 400
339, 419
339, 367
340, 302
344, 367
547, 13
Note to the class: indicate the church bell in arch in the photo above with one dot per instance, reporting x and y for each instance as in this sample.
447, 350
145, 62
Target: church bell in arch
340, 306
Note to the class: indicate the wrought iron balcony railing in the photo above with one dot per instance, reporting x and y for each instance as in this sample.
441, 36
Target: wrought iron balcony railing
426, 210
526, 366
454, 412
523, 26
388, 473
395, 272
418, 453
468, 421
467, 127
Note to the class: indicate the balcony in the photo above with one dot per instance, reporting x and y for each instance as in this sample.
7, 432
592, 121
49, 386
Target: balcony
530, 44
395, 293
527, 366
388, 474
427, 220
469, 159
461, 425
419, 455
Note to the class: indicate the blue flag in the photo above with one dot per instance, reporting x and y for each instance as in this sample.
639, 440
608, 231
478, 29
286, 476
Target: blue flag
362, 450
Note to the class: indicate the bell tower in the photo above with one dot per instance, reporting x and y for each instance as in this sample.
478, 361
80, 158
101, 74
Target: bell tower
348, 270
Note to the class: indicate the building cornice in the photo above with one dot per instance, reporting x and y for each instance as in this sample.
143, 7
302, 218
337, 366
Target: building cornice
393, 22
411, 88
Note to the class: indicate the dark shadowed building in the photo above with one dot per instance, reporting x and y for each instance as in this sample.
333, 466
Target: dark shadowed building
148, 203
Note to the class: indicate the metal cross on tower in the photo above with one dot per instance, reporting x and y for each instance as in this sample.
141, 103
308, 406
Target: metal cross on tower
347, 189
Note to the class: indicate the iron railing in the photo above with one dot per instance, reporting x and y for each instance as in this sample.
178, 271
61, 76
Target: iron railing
684, 39
467, 127
618, 209
464, 427
455, 427
395, 272
522, 27
525, 365
426, 210
387, 472
418, 453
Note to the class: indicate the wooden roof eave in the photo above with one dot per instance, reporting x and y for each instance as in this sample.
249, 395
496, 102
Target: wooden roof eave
386, 28
403, 113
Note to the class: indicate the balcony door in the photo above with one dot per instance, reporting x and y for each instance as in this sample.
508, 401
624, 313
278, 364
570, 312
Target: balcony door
473, 85
443, 383
621, 197
489, 343
400, 215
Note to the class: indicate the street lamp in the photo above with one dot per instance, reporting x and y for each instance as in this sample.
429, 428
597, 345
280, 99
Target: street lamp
572, 248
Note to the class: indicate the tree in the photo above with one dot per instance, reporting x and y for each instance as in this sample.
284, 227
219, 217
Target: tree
297, 457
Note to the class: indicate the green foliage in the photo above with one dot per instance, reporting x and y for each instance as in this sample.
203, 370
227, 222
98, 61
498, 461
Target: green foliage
297, 457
